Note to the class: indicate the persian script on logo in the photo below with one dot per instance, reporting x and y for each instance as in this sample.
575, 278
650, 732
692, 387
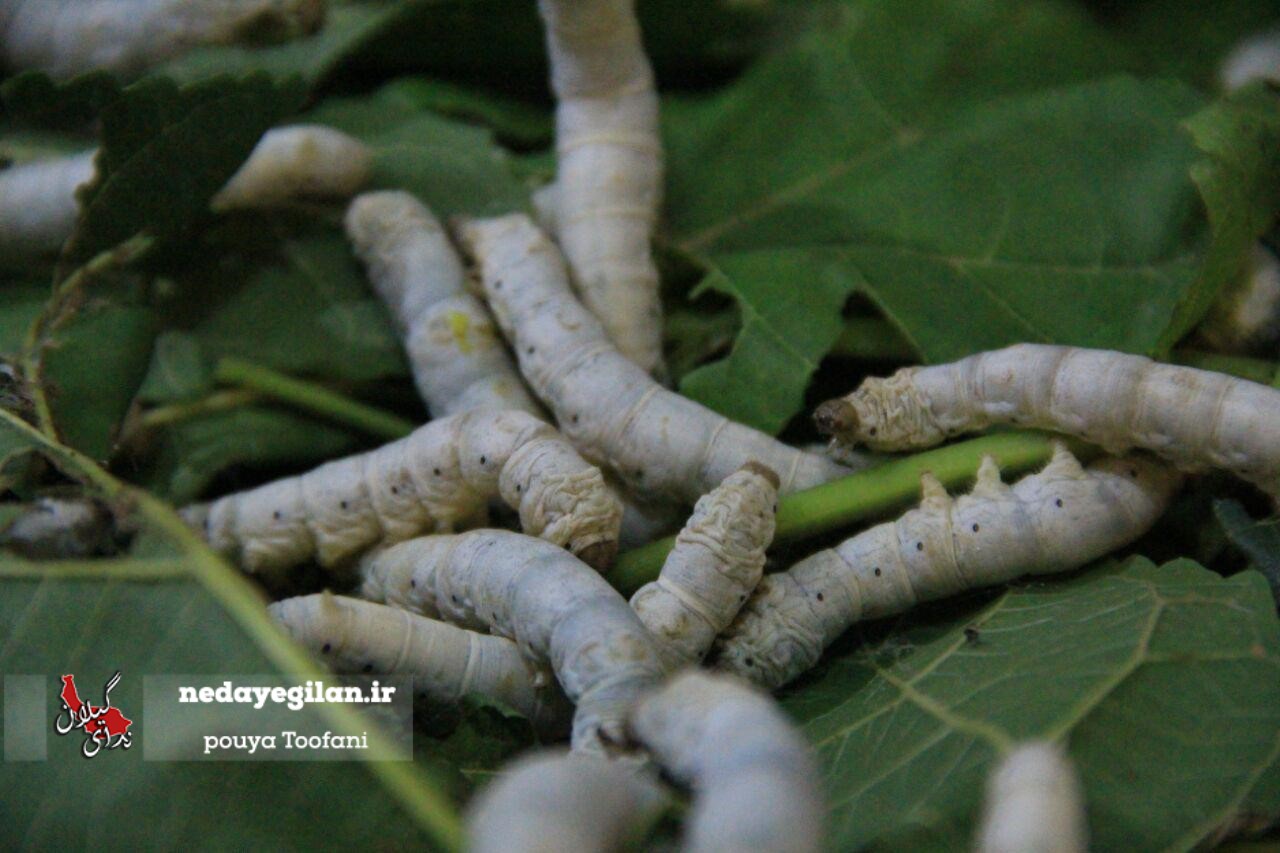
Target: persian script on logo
102, 725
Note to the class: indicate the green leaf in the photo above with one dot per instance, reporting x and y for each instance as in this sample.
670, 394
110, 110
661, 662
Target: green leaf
952, 175
165, 151
1239, 180
1161, 681
451, 166
347, 27
91, 366
191, 453
280, 291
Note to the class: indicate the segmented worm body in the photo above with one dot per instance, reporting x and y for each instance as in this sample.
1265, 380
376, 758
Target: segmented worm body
1058, 519
1196, 419
439, 478
609, 178
551, 802
1034, 803
447, 663
663, 445
715, 565
755, 782
457, 356
555, 607
69, 37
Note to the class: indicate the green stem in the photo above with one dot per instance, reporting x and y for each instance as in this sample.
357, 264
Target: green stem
219, 401
245, 605
311, 397
870, 494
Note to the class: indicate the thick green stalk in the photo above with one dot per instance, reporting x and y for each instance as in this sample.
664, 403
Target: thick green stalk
870, 494
311, 397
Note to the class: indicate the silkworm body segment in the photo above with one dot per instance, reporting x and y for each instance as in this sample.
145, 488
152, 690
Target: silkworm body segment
1060, 518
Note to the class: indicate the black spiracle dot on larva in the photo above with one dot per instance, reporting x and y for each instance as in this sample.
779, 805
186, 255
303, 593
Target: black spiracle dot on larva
276, 515
519, 489
413, 583
919, 546
435, 471
1058, 502
368, 668
395, 490
820, 597
975, 528
749, 661
342, 504
876, 571
872, 431
326, 648
483, 460
529, 351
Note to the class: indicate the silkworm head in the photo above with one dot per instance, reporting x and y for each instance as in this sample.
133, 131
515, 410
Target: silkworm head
836, 417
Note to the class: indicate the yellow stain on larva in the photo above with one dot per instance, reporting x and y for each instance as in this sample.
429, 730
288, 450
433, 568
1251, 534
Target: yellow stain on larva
460, 325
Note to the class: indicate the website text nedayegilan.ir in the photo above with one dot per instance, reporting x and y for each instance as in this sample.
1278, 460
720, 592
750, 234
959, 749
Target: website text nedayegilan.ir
295, 697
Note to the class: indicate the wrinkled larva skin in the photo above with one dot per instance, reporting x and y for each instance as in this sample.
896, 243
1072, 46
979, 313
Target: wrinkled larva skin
1034, 803
1246, 317
1059, 519
447, 663
438, 478
1195, 419
755, 781
554, 606
68, 37
715, 565
38, 203
664, 446
457, 356
553, 801
609, 177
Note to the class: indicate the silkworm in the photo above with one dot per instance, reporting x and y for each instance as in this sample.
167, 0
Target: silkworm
39, 205
555, 607
1257, 57
553, 801
609, 171
68, 37
438, 478
754, 779
456, 355
661, 444
714, 566
447, 663
1193, 418
1034, 802
1246, 317
1058, 519
302, 161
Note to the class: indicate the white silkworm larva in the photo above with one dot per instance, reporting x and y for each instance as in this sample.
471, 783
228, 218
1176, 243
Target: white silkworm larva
1255, 58
663, 445
755, 781
440, 476
68, 37
541, 596
457, 357
552, 802
715, 565
447, 663
1058, 519
38, 204
1247, 315
1035, 804
609, 174
1193, 418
